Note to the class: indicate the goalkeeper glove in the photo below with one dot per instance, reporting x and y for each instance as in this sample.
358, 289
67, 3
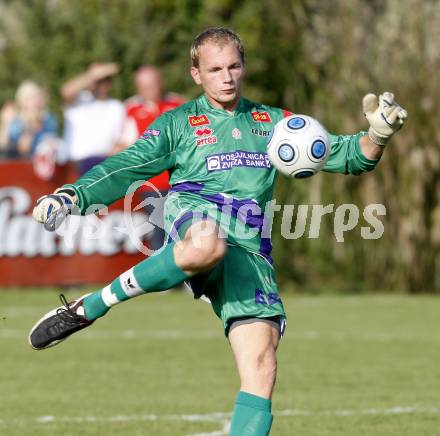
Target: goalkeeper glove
51, 210
385, 116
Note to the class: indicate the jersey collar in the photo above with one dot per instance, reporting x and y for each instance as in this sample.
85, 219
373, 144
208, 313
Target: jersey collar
205, 102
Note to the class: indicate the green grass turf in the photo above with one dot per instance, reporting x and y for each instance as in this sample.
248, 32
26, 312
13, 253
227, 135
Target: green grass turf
159, 365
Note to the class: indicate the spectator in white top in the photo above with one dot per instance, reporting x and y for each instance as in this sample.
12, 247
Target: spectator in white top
92, 120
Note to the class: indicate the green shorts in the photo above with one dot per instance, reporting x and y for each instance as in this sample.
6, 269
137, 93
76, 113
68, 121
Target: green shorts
241, 286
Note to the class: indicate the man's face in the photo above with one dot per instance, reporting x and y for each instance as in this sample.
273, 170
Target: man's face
149, 84
220, 72
102, 88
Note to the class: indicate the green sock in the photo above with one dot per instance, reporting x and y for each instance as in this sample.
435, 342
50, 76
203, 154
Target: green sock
252, 416
157, 273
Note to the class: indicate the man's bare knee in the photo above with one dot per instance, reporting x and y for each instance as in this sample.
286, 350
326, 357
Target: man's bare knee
202, 248
209, 253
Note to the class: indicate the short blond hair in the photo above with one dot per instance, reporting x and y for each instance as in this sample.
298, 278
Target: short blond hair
216, 35
28, 89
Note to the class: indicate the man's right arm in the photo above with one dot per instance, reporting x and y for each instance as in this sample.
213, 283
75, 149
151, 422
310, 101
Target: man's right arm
150, 155
110, 180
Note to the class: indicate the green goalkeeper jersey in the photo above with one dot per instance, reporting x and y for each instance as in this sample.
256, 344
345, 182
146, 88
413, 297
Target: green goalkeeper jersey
216, 159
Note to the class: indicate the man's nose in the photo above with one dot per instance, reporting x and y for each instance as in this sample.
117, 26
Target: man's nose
227, 77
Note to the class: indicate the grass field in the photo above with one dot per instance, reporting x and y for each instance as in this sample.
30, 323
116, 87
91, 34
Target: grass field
159, 365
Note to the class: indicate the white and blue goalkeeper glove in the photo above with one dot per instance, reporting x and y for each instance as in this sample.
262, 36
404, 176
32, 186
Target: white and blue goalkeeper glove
385, 116
51, 210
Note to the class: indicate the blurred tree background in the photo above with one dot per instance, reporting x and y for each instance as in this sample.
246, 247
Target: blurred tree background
309, 56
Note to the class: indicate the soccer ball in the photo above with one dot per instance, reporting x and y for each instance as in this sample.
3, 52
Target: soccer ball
298, 146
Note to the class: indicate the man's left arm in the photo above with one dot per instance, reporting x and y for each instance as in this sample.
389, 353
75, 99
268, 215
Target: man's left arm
355, 154
369, 149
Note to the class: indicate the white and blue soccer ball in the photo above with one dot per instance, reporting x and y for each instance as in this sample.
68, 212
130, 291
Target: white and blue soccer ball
299, 146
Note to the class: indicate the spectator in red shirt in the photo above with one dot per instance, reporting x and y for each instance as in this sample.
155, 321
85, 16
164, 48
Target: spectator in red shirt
142, 109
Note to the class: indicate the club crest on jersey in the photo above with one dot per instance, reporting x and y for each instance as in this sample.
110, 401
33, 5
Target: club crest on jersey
198, 120
236, 133
261, 117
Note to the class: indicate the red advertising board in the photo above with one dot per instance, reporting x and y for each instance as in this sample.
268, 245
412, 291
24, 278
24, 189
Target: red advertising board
93, 250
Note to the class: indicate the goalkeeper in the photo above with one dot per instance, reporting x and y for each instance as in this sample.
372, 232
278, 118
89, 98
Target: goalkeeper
215, 150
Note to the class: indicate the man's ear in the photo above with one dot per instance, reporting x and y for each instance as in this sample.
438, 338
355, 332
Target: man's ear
196, 75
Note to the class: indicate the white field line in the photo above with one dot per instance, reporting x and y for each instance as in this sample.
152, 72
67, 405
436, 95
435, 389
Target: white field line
127, 334
7, 333
384, 300
223, 419
377, 300
16, 311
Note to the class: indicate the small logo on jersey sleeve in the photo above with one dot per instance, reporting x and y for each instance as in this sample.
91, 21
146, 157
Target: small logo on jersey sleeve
261, 117
198, 120
150, 132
